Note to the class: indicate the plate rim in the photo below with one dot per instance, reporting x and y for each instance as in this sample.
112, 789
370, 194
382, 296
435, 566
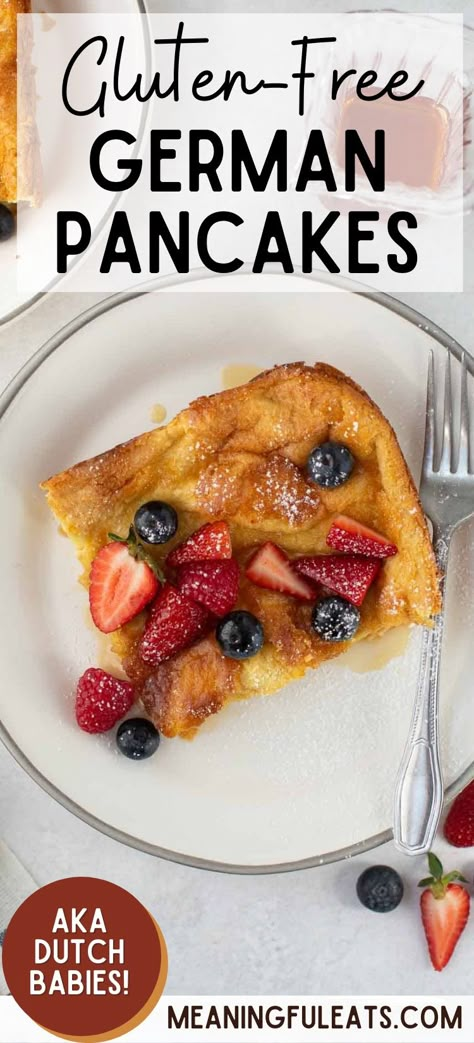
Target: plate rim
79, 322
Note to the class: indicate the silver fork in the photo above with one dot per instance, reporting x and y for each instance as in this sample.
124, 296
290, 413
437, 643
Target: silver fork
447, 495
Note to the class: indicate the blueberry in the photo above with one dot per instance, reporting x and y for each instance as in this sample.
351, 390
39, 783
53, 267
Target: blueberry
335, 619
330, 464
155, 522
7, 223
240, 635
137, 738
380, 889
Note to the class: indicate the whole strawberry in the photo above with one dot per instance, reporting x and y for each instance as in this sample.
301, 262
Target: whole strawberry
101, 700
444, 911
459, 825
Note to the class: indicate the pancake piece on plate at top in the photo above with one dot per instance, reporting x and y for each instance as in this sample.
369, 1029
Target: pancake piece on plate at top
17, 129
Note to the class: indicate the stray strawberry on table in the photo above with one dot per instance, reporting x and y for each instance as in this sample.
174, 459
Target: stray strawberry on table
445, 906
459, 824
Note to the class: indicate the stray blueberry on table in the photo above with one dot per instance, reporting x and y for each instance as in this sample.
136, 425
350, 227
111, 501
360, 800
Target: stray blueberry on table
380, 889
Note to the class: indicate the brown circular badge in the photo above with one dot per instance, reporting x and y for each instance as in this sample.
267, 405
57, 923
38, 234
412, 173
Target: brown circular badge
85, 959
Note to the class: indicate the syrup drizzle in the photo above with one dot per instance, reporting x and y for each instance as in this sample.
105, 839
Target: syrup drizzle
158, 413
375, 652
236, 374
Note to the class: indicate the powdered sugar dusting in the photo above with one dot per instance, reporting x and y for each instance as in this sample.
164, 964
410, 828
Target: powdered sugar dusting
217, 487
271, 487
282, 490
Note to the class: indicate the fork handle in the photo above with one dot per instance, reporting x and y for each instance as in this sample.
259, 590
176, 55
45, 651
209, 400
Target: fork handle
419, 787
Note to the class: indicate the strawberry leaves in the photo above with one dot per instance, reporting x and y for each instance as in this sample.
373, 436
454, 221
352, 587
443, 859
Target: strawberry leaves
138, 551
438, 881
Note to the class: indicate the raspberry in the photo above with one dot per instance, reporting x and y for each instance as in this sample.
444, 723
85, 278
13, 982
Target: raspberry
101, 700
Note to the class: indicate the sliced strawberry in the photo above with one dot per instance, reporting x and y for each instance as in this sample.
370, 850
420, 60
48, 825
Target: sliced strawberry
348, 575
215, 584
210, 542
175, 622
101, 700
351, 537
270, 567
444, 911
120, 586
459, 825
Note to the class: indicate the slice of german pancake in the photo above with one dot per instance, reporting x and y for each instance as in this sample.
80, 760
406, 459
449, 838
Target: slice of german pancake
240, 456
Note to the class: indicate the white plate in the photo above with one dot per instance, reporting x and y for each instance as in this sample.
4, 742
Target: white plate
12, 302
300, 777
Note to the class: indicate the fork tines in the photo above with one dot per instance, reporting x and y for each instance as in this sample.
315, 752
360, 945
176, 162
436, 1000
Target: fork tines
453, 454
